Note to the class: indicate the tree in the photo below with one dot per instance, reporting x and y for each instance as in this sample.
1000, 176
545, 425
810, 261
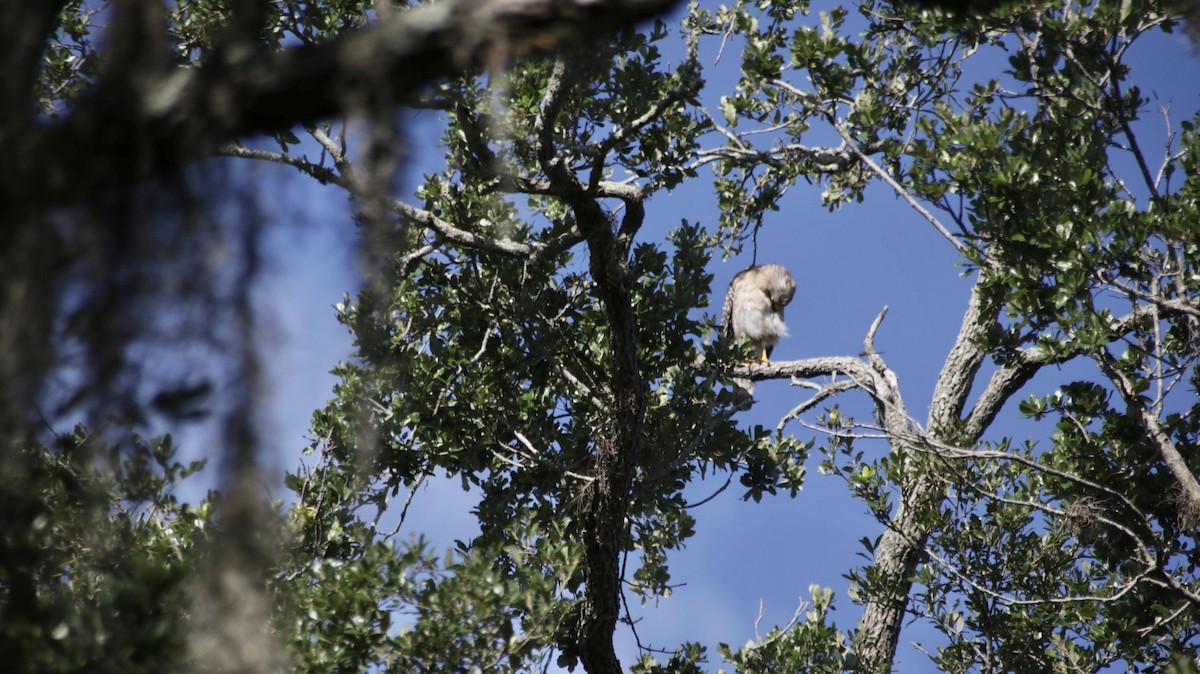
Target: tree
529, 332
1082, 247
99, 188
559, 388
1025, 557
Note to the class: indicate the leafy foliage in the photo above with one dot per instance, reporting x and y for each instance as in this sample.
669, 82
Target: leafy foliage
532, 336
808, 646
96, 567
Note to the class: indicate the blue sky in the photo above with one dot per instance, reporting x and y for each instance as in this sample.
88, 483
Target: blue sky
848, 264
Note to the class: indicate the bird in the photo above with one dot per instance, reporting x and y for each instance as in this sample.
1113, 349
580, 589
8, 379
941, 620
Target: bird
753, 310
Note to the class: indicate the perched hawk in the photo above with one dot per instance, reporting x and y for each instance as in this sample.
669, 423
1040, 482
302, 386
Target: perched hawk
754, 309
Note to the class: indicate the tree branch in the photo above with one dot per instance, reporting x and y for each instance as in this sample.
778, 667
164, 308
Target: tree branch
618, 443
955, 381
825, 158
898, 188
147, 125
547, 112
461, 236
1019, 369
1189, 487
1173, 304
320, 173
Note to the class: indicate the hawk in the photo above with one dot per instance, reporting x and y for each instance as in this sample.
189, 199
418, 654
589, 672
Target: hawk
754, 309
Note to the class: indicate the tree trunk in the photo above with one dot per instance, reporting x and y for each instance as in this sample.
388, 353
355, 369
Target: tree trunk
618, 443
901, 548
897, 555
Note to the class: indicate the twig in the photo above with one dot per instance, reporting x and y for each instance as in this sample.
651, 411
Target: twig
706, 499
407, 502
823, 393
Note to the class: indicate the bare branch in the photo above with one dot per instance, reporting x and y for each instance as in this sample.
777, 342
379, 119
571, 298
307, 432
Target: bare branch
869, 341
806, 368
320, 173
823, 393
873, 376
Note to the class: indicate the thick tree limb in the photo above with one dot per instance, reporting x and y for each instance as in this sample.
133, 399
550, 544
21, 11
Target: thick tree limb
547, 112
617, 446
1022, 367
142, 122
805, 369
955, 381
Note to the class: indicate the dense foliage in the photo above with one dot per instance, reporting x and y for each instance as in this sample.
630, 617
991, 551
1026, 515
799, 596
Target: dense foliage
96, 580
530, 333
